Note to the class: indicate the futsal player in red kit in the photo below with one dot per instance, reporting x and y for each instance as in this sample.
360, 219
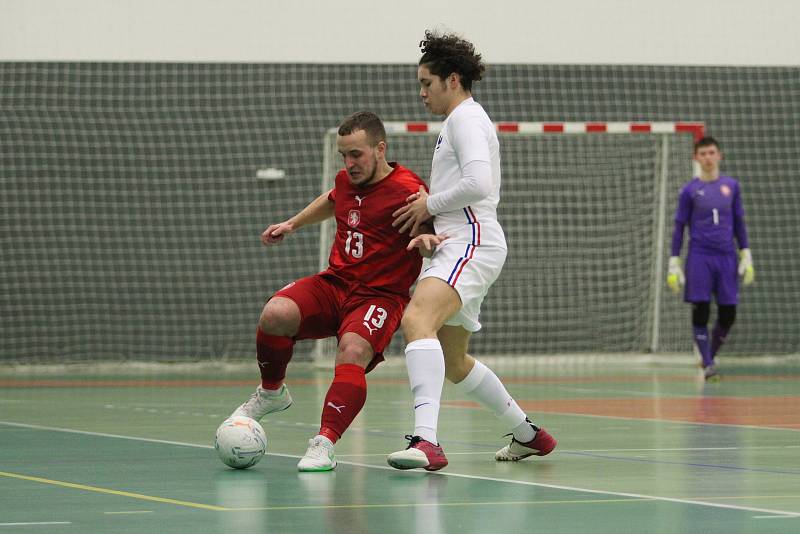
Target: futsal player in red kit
359, 298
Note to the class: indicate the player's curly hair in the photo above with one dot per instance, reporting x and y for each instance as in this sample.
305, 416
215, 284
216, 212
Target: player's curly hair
445, 54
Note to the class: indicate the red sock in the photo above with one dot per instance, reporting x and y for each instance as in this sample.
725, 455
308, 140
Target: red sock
344, 400
274, 353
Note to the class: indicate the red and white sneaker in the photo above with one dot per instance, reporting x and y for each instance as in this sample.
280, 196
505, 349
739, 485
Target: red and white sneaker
541, 444
419, 453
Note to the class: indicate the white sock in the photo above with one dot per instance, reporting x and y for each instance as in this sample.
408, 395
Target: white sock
523, 432
483, 385
425, 364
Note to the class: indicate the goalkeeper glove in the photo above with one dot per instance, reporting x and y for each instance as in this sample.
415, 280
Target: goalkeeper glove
675, 278
746, 270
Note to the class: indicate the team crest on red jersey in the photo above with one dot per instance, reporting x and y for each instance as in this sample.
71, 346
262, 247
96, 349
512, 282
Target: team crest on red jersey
353, 218
725, 190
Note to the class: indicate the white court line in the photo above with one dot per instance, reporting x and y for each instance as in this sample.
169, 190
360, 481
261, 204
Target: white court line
456, 407
105, 435
667, 449
39, 523
448, 474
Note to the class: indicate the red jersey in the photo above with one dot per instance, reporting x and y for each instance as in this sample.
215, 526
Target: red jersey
367, 248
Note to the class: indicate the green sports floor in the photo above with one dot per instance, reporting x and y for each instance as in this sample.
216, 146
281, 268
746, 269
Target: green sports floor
645, 447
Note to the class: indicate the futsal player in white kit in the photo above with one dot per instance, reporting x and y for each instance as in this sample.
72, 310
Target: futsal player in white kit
469, 255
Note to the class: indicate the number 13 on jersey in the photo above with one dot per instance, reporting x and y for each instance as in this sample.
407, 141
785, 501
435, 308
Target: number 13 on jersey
376, 316
354, 244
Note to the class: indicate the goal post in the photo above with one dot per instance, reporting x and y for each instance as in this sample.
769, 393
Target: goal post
585, 207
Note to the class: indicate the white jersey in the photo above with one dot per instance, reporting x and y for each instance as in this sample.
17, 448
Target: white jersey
468, 135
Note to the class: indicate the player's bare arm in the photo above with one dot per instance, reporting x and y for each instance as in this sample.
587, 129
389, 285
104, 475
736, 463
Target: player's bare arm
413, 214
320, 209
275, 233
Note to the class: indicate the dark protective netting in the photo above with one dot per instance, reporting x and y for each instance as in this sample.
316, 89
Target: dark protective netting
130, 208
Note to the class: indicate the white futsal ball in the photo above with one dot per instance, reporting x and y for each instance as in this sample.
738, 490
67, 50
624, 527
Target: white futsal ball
240, 442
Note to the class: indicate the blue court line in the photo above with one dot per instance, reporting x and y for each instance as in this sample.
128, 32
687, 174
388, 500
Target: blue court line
687, 464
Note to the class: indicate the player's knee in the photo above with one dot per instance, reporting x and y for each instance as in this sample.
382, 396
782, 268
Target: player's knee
700, 313
726, 315
415, 326
350, 352
280, 317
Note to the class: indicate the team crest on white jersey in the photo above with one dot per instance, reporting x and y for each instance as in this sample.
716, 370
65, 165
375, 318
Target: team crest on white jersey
353, 218
725, 190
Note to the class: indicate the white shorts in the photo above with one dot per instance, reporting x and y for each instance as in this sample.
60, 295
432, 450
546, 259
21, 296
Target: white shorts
471, 271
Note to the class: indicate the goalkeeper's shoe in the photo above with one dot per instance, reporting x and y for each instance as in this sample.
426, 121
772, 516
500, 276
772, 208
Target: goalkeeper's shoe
541, 445
319, 456
263, 402
710, 373
419, 453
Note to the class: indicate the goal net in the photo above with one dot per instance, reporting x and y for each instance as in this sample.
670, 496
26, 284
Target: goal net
134, 193
587, 211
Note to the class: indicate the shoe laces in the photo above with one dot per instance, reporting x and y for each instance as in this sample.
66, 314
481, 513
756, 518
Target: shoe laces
535, 428
412, 440
252, 401
317, 449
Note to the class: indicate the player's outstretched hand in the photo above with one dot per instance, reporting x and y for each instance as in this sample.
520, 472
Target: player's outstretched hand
675, 278
409, 217
746, 270
426, 243
275, 233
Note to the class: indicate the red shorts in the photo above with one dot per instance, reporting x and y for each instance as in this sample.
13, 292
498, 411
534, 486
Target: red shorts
330, 306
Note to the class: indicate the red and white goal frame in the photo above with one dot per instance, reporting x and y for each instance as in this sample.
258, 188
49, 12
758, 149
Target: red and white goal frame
696, 129
665, 129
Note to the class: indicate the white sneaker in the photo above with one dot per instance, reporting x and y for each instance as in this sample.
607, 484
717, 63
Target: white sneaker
319, 456
261, 403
